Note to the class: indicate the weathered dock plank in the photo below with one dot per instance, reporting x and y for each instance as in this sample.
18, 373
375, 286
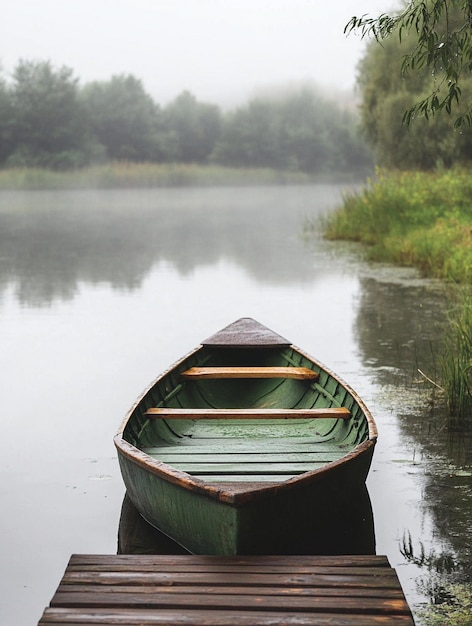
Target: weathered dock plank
212, 590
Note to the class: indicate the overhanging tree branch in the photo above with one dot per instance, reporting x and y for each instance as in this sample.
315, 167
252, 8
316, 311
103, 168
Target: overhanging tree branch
443, 46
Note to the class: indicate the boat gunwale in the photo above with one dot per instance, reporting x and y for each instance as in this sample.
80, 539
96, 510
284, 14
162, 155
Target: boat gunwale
242, 492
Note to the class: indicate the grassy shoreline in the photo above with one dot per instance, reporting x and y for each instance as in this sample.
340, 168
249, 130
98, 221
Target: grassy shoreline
121, 175
423, 220
415, 219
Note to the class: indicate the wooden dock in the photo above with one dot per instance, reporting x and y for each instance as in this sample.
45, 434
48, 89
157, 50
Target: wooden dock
229, 591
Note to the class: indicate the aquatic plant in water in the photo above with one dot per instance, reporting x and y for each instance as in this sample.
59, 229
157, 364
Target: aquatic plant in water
455, 610
450, 600
456, 364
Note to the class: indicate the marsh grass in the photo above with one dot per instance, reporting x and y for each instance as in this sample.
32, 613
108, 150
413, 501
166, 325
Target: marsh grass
423, 220
123, 175
456, 363
416, 219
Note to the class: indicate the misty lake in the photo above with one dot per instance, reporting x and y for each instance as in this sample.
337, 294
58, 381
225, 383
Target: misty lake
100, 291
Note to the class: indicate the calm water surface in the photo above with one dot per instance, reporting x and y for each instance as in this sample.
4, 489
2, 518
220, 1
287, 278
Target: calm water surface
101, 291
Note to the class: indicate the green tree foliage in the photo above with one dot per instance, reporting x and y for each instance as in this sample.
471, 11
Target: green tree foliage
45, 120
440, 32
387, 92
123, 118
298, 131
248, 137
191, 129
6, 120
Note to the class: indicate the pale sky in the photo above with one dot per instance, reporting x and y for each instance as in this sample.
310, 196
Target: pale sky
222, 51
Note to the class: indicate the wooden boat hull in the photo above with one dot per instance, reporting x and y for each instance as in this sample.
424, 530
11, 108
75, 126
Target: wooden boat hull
347, 530
214, 506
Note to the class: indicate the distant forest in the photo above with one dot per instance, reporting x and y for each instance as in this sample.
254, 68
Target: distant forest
47, 119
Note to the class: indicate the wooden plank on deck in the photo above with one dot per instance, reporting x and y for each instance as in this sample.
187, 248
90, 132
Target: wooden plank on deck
241, 590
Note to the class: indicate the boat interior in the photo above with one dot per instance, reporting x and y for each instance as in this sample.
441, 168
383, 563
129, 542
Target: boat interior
245, 415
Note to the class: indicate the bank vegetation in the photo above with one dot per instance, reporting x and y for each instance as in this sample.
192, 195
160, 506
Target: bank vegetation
417, 210
413, 218
423, 220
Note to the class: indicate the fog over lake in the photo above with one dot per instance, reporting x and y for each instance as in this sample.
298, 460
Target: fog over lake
223, 52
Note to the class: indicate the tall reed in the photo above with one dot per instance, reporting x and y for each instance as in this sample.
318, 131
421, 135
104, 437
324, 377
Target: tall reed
456, 364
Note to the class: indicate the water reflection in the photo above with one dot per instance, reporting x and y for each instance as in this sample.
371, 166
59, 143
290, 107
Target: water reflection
180, 264
136, 536
50, 242
398, 324
349, 531
399, 327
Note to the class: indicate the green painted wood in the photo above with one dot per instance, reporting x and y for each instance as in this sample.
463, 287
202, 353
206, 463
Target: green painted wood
234, 458
244, 485
240, 478
298, 446
255, 469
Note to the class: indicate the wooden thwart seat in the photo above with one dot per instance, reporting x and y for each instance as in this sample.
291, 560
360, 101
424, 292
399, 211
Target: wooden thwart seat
299, 373
253, 413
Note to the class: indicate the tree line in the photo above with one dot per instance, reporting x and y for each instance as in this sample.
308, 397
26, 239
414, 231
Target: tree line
47, 119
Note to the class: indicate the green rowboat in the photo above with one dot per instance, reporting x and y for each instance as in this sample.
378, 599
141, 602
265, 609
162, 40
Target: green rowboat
244, 445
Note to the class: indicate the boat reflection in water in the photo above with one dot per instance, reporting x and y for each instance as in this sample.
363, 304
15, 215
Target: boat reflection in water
347, 530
